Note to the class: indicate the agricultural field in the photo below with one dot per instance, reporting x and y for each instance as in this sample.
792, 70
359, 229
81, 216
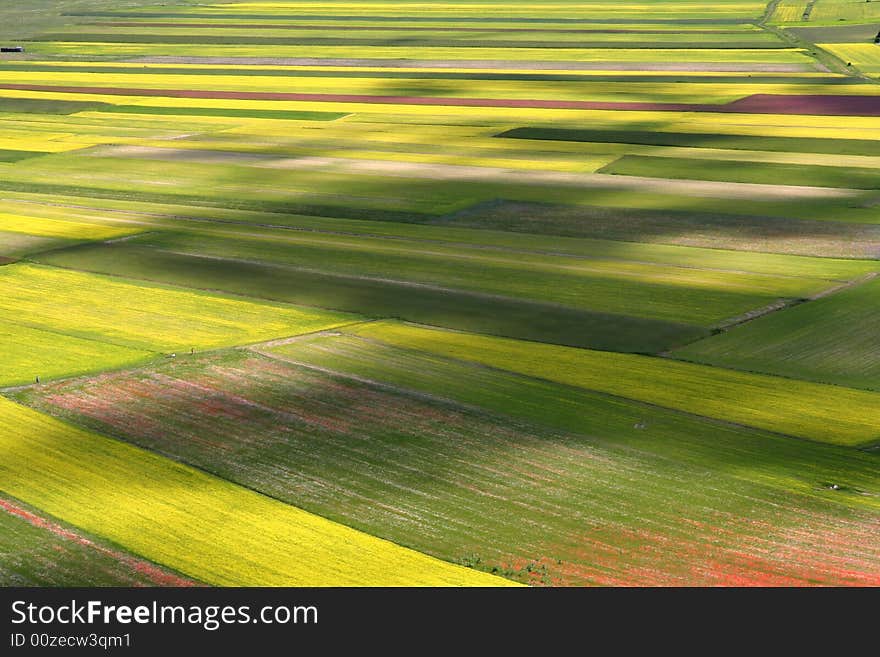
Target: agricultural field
40, 551
503, 496
797, 408
414, 293
832, 340
101, 485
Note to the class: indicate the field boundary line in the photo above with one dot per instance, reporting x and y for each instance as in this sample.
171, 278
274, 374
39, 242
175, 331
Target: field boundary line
279, 342
861, 280
784, 304
751, 315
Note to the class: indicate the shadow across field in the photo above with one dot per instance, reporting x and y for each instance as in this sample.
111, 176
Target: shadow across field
457, 309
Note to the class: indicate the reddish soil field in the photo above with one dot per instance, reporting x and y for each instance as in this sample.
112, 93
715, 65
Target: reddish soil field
790, 104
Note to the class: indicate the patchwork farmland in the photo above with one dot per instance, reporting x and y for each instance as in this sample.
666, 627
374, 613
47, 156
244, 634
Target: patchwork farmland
440, 294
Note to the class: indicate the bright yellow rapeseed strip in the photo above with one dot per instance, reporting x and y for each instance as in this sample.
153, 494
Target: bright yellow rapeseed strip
146, 316
203, 526
77, 230
29, 353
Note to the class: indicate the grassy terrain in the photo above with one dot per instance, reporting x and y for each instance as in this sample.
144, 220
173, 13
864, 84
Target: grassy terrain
745, 172
663, 292
863, 56
832, 340
537, 504
759, 235
36, 16
73, 230
794, 408
17, 244
543, 188
795, 464
501, 315
32, 352
202, 526
139, 316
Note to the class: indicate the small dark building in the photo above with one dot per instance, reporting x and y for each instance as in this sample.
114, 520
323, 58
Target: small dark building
12, 49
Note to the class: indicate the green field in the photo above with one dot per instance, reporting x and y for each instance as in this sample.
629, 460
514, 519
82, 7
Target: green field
745, 172
439, 293
504, 496
791, 407
832, 340
143, 316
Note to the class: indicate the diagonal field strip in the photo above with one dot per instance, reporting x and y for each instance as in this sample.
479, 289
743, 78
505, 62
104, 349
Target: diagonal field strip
417, 469
795, 408
202, 526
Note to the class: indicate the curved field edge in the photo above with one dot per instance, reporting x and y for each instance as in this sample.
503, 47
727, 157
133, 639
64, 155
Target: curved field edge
202, 526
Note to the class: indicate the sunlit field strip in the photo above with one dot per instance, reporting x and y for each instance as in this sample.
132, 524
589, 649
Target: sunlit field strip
586, 157
865, 56
517, 116
76, 230
352, 190
824, 413
480, 37
37, 550
364, 20
754, 124
789, 11
469, 11
200, 525
143, 316
475, 147
47, 145
30, 354
680, 294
